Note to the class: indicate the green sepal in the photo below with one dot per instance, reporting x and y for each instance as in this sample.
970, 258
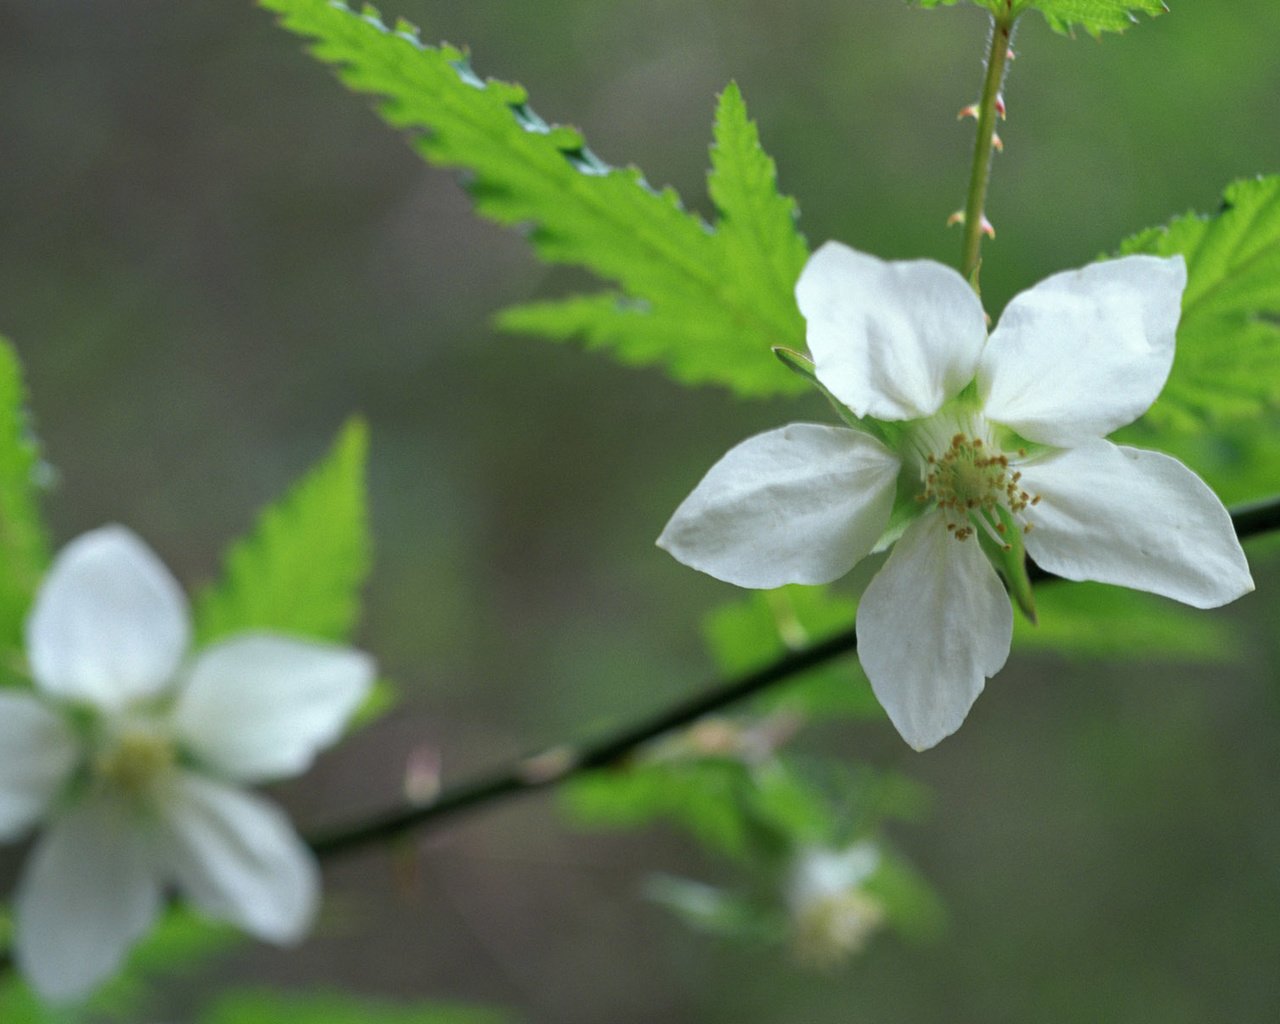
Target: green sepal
1010, 560
803, 366
907, 508
886, 433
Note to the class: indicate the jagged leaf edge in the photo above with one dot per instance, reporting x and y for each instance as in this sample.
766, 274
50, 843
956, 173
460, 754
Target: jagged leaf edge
571, 147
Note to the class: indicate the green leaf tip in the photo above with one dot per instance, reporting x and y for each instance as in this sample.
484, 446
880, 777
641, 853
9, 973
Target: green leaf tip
1227, 363
24, 545
707, 304
1093, 16
301, 568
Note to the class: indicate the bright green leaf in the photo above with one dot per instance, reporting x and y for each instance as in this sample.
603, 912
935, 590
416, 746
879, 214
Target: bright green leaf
1094, 16
336, 1008
301, 569
762, 253
1228, 355
24, 549
707, 305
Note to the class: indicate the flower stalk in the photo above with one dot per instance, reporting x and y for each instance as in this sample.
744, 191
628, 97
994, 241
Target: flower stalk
988, 109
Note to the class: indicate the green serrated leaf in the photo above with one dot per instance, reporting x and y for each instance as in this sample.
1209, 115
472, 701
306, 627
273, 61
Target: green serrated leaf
706, 305
1093, 16
1228, 356
24, 548
301, 569
260, 1007
762, 251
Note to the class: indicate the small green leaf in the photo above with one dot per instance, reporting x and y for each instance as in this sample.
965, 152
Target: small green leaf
1094, 16
1228, 356
24, 548
301, 569
706, 305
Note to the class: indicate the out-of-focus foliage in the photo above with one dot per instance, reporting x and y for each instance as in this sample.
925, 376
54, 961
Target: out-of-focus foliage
1228, 355
706, 304
717, 911
301, 569
24, 549
1094, 16
761, 816
763, 625
181, 942
738, 810
336, 1008
1098, 621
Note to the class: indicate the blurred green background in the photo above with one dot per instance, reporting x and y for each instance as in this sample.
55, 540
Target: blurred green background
210, 254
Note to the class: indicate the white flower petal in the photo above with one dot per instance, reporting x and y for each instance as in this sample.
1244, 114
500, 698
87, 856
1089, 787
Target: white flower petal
88, 893
38, 752
237, 858
800, 504
890, 340
259, 707
109, 623
1137, 519
820, 873
933, 625
1084, 352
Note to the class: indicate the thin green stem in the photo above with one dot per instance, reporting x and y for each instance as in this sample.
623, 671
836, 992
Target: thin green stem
988, 108
559, 764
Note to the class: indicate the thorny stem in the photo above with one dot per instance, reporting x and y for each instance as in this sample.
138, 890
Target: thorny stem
988, 111
558, 764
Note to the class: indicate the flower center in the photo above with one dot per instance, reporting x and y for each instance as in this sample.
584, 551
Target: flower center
970, 480
136, 756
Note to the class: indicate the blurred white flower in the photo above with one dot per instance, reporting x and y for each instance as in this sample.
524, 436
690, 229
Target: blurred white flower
832, 916
958, 437
132, 756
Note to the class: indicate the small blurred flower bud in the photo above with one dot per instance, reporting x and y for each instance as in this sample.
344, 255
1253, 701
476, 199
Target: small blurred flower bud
832, 917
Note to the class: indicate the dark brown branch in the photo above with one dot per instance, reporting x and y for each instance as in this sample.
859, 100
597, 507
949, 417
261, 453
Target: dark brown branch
557, 764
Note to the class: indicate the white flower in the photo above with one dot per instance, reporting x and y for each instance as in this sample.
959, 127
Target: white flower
132, 756
832, 916
966, 436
